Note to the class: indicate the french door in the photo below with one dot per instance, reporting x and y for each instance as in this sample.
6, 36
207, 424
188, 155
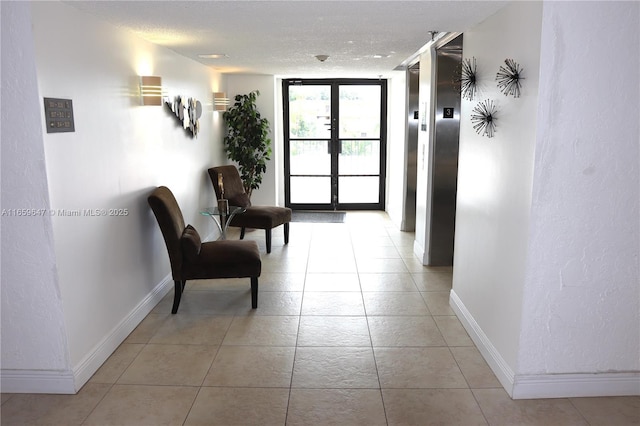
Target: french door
335, 144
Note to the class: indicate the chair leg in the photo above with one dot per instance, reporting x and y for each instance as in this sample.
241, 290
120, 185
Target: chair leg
286, 233
268, 238
254, 292
242, 232
179, 288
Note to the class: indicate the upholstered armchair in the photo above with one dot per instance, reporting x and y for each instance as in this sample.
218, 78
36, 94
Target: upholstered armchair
191, 259
258, 217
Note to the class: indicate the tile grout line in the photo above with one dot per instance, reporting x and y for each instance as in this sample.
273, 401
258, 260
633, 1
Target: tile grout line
295, 351
111, 385
373, 352
578, 410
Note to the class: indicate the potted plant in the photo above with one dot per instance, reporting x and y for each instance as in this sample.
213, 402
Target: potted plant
247, 142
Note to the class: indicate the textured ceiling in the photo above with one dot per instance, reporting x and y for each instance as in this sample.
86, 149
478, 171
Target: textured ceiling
283, 37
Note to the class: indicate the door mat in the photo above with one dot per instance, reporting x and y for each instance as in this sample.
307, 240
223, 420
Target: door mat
317, 217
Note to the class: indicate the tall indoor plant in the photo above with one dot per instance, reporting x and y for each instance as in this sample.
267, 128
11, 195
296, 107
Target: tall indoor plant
247, 142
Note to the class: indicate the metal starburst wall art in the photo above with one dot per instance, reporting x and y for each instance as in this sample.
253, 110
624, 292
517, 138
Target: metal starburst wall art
483, 118
509, 78
468, 78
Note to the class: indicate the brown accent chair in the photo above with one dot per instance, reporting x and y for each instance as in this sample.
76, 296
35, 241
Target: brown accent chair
258, 217
192, 259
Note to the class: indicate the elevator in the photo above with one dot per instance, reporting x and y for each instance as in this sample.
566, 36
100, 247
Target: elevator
442, 165
411, 147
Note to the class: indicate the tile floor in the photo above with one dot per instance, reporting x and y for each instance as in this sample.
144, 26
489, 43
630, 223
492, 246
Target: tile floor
350, 330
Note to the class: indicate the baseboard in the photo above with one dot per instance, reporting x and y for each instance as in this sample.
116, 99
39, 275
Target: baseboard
544, 385
36, 381
103, 350
500, 368
70, 382
576, 385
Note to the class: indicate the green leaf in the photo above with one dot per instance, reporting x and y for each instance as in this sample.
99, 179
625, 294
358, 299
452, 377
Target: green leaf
246, 141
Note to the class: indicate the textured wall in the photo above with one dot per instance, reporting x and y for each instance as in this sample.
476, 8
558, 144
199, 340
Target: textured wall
33, 334
581, 303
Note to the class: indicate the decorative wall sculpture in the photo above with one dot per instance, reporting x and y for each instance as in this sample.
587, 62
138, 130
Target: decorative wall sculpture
509, 78
187, 111
483, 118
468, 79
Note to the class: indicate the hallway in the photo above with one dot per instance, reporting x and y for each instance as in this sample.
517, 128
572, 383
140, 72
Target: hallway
350, 330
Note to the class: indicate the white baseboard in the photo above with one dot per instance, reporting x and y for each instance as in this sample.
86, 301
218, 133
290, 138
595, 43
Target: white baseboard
544, 385
103, 350
576, 385
70, 382
500, 368
35, 381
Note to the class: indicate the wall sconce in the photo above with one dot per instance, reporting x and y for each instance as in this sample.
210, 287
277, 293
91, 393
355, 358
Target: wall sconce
220, 101
151, 90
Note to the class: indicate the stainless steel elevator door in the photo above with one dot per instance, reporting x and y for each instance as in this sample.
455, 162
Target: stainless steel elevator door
444, 169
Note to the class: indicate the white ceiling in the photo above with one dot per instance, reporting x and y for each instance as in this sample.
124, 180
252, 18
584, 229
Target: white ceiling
283, 37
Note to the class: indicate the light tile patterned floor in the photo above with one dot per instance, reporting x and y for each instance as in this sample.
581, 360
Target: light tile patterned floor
350, 330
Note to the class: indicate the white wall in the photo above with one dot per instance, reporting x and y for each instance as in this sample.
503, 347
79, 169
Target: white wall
546, 262
495, 177
581, 305
425, 152
113, 269
396, 141
33, 329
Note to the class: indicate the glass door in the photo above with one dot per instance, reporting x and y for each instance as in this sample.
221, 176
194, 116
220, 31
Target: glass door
335, 144
309, 145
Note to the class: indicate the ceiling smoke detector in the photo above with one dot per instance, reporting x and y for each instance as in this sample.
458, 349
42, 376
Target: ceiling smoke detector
322, 58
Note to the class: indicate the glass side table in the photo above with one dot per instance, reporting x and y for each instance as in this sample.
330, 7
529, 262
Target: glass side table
220, 219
